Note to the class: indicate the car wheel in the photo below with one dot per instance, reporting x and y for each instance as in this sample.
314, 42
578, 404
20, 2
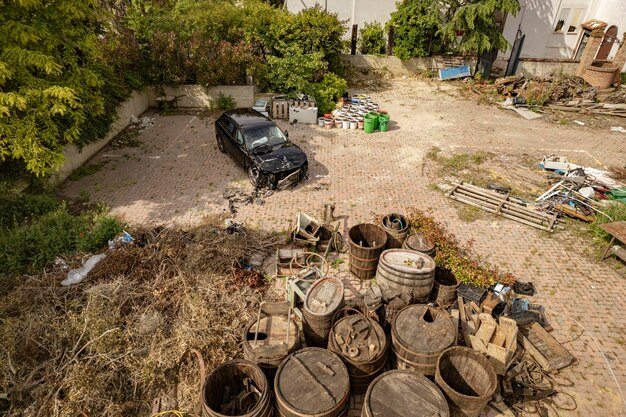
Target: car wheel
256, 178
220, 143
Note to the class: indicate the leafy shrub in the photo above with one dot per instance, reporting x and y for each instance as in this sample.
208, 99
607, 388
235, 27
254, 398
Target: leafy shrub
16, 209
30, 247
294, 72
223, 102
328, 91
417, 24
372, 40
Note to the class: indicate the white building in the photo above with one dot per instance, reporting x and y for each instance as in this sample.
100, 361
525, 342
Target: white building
553, 27
355, 12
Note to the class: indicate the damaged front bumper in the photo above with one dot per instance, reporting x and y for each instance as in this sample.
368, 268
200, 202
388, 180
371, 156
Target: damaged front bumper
291, 179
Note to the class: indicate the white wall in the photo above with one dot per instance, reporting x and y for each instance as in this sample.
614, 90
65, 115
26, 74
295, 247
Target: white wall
538, 20
356, 12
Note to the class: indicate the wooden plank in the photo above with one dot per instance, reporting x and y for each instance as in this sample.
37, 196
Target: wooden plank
544, 348
486, 331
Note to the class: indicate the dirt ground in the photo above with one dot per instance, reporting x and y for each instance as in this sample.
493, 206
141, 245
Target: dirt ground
173, 173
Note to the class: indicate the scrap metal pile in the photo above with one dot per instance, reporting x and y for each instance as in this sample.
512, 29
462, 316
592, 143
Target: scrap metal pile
565, 93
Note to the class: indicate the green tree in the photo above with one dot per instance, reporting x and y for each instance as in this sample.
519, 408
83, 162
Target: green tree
372, 40
295, 71
477, 22
417, 24
49, 86
327, 92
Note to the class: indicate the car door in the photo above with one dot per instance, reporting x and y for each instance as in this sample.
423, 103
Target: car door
228, 130
239, 148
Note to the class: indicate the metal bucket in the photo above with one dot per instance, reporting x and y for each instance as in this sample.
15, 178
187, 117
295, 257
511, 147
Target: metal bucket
418, 336
228, 380
467, 379
408, 271
367, 242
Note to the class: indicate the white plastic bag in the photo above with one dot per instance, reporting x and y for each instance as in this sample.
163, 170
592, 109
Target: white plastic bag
77, 275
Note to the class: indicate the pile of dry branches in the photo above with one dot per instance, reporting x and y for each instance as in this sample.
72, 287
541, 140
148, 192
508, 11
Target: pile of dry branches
111, 344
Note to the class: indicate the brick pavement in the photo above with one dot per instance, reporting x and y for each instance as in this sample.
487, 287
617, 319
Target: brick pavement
177, 175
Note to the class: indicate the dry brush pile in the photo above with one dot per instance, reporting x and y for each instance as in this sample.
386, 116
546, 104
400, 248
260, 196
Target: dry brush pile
111, 344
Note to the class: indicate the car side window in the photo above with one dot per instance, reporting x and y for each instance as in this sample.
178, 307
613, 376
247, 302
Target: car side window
239, 137
228, 126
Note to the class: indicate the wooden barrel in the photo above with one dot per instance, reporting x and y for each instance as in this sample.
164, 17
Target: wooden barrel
409, 271
390, 310
361, 344
312, 382
322, 300
367, 241
444, 288
467, 379
228, 381
419, 242
401, 393
418, 335
276, 338
397, 228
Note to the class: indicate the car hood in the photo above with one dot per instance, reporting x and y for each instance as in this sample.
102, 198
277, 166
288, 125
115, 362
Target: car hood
284, 158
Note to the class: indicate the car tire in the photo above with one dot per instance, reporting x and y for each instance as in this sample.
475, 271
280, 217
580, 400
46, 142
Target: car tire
220, 143
254, 176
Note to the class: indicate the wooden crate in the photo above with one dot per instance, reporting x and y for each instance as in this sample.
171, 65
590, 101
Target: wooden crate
544, 348
280, 107
496, 339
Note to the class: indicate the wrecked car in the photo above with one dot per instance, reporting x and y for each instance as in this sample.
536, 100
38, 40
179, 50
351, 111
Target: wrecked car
261, 148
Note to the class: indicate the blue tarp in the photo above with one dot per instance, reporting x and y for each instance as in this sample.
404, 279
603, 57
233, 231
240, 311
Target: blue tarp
455, 72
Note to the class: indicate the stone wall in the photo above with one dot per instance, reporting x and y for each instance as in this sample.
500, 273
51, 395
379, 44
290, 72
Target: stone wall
398, 68
197, 96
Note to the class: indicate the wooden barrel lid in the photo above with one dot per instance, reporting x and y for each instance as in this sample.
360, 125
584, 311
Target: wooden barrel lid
312, 381
400, 393
359, 339
424, 329
324, 297
272, 338
419, 242
408, 261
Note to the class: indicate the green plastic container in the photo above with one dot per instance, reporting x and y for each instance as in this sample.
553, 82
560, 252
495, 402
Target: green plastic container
383, 120
375, 115
368, 124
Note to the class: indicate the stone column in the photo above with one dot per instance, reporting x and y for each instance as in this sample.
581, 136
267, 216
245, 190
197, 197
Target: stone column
590, 52
620, 60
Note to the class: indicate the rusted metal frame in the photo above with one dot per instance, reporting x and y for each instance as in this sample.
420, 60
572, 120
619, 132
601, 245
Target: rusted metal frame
608, 248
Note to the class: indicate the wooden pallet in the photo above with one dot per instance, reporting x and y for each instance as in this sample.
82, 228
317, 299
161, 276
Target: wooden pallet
544, 348
501, 204
280, 107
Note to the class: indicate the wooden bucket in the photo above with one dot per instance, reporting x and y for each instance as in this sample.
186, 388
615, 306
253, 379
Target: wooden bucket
420, 243
367, 242
397, 228
467, 379
322, 300
400, 393
444, 288
419, 334
361, 344
227, 380
276, 338
312, 382
408, 271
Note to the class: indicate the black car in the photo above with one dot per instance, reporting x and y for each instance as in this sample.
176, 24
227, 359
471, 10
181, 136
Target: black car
261, 148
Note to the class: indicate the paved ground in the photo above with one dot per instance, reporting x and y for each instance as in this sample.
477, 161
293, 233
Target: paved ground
177, 175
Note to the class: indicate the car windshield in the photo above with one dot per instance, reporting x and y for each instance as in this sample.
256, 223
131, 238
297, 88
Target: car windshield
269, 135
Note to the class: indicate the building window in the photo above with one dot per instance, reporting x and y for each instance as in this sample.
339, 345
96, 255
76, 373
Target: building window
576, 20
561, 20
